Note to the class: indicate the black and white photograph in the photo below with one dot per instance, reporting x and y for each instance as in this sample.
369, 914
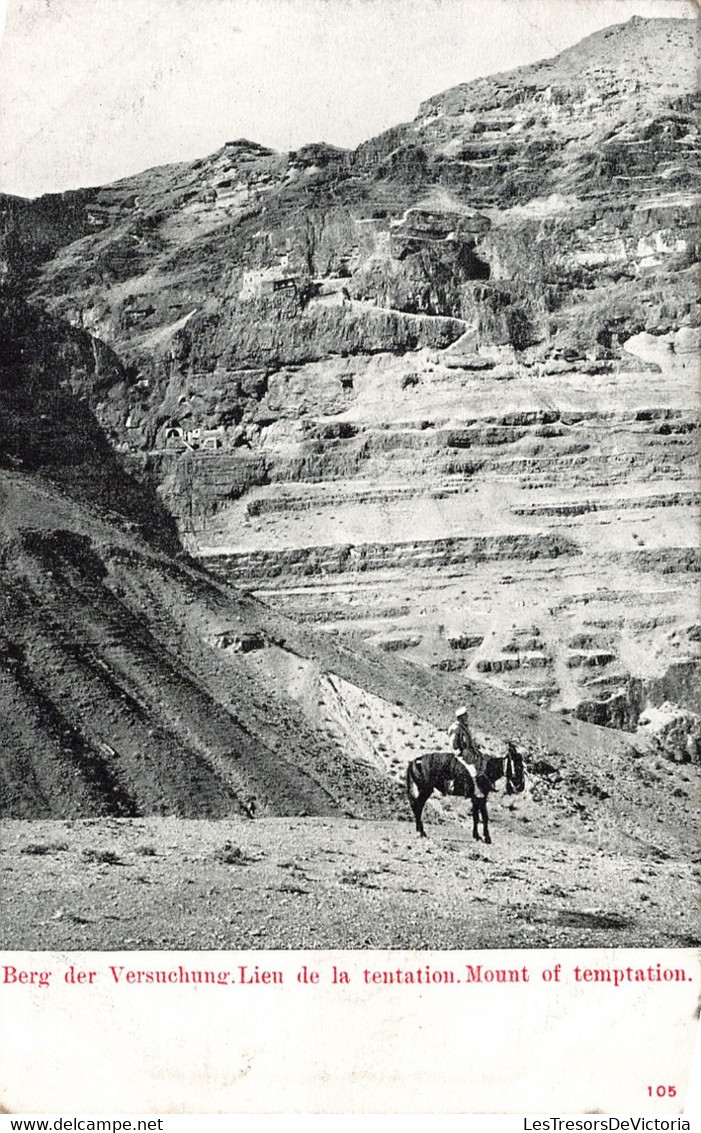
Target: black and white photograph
349, 479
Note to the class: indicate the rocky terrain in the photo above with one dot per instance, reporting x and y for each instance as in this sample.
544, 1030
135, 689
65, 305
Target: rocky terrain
423, 418
546, 882
460, 361
135, 686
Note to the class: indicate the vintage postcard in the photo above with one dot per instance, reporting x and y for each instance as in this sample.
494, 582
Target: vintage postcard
349, 630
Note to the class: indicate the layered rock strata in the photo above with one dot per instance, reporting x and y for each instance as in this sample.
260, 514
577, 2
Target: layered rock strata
438, 392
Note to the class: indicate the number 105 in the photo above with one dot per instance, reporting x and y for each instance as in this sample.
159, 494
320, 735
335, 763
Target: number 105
662, 1091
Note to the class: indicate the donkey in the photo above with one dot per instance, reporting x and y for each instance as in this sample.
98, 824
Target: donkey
449, 774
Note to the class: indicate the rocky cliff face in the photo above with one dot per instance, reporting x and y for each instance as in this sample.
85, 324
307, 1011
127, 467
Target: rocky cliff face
134, 683
116, 650
48, 372
439, 392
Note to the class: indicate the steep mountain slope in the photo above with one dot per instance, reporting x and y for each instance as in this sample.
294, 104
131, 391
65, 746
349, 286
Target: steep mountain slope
115, 695
416, 406
134, 684
113, 703
607, 148
47, 371
458, 362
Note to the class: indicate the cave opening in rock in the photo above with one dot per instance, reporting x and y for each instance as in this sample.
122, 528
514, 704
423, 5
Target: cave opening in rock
473, 266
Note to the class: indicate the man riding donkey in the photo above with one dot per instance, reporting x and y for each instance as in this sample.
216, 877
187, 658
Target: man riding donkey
465, 771
464, 747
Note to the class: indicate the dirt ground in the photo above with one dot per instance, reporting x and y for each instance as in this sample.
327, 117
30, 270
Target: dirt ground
163, 883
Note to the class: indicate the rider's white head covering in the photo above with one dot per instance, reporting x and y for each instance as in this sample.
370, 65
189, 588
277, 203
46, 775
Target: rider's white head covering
462, 711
